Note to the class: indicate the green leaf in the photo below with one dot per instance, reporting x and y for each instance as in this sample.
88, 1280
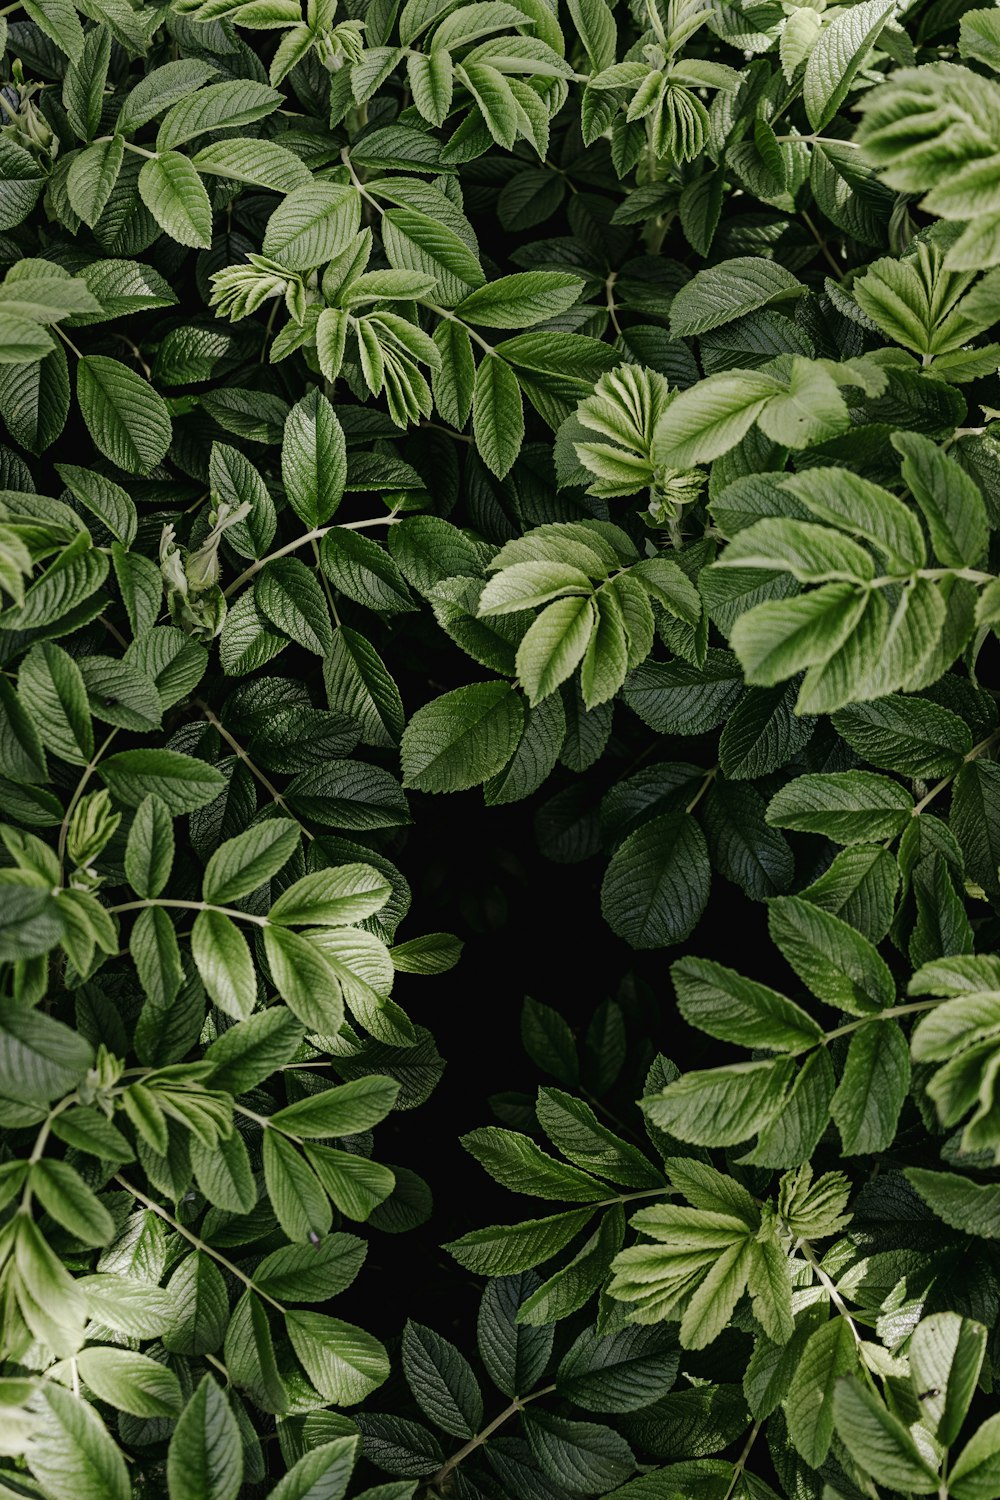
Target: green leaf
554, 645
63, 1193
126, 418
41, 1059
92, 177
974, 821
161, 88
224, 1174
205, 1457
949, 498
830, 1353
149, 853
840, 966
497, 414
873, 1088
574, 1129
855, 505
435, 953
442, 1381
910, 735
355, 1186
312, 1272
225, 963
299, 1202
52, 689
72, 1453
245, 862
522, 300
761, 734
359, 685
321, 1474
579, 1457
415, 241
312, 224
431, 80
721, 1106
780, 637
620, 1372
503, 1250
454, 383
172, 191
976, 1471
859, 887
839, 52
729, 290
812, 410
362, 570
656, 886
946, 1355
58, 19
347, 1109
971, 1207
706, 421
226, 105
313, 459
332, 898
725, 1005
849, 807
181, 782
677, 697
305, 980
131, 1382
462, 738
878, 1441
712, 1304
344, 1363
349, 794
811, 553
523, 1167
260, 163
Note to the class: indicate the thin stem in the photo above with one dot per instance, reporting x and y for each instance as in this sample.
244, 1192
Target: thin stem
831, 1289
113, 631
837, 270
41, 1141
197, 1242
303, 541
254, 770
518, 1404
741, 1462
262, 1121
226, 911
709, 777
939, 786
325, 582
67, 340
880, 1015
444, 312
345, 157
609, 294
141, 151
81, 785
460, 437
819, 140
596, 1104
267, 331
218, 1365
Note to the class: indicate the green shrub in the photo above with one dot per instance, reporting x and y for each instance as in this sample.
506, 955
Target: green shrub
412, 398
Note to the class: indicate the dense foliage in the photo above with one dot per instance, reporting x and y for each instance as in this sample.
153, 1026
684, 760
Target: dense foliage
587, 403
